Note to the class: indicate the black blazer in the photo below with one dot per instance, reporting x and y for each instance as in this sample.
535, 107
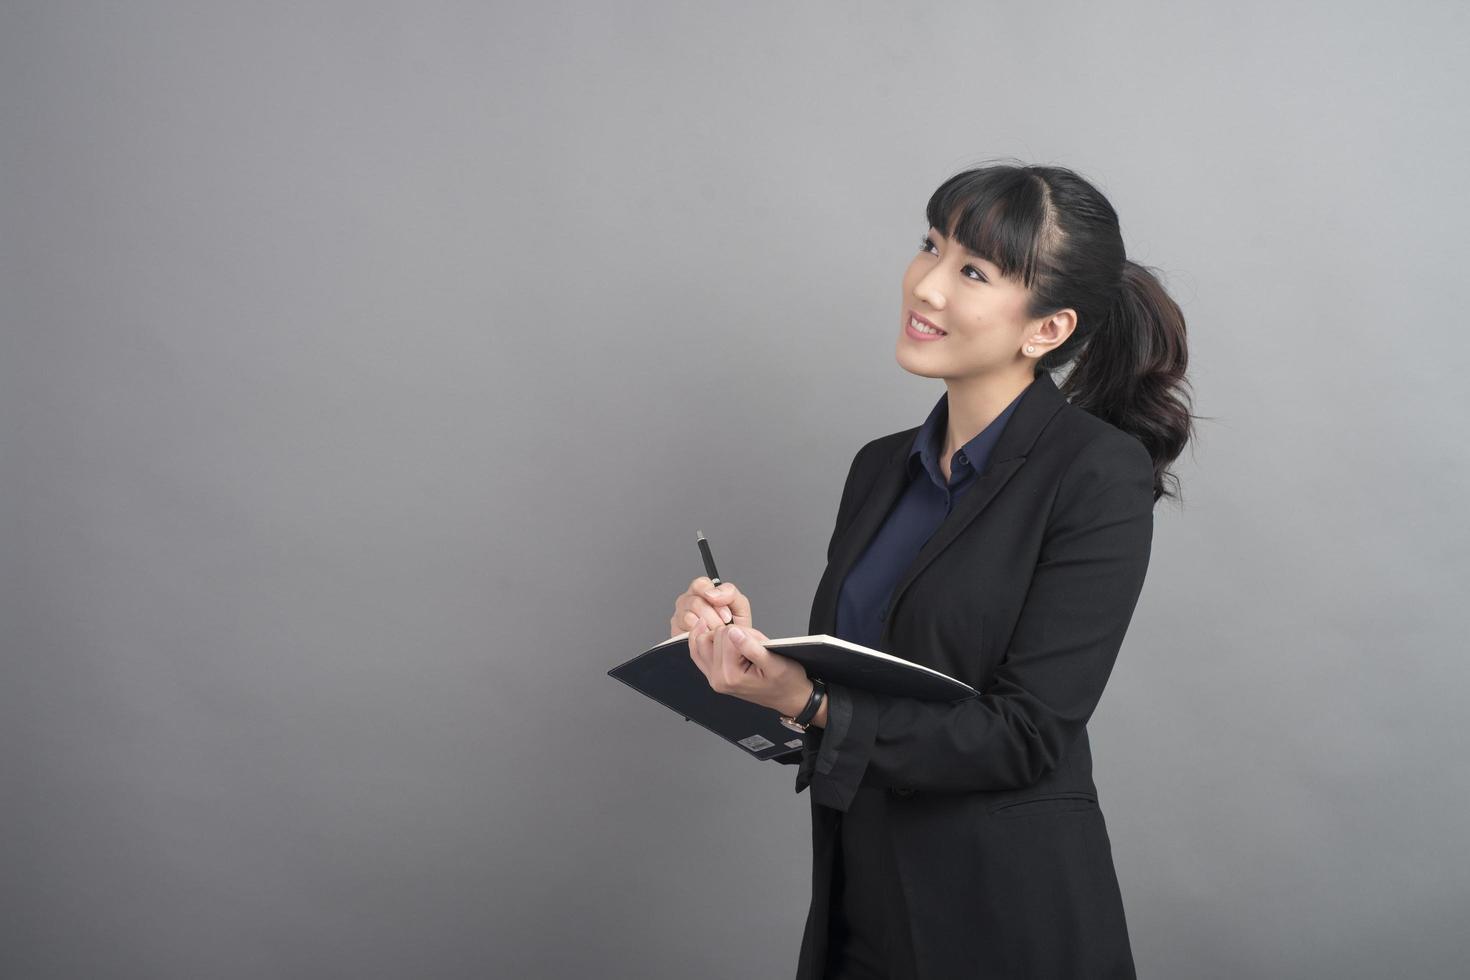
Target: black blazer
1001, 847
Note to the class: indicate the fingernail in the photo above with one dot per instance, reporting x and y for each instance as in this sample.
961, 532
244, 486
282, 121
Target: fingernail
736, 633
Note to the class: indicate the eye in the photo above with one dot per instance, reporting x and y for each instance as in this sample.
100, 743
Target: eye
926, 245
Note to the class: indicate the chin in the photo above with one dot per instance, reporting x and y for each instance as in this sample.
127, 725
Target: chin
912, 364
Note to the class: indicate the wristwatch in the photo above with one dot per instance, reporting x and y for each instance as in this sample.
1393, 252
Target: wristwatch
803, 720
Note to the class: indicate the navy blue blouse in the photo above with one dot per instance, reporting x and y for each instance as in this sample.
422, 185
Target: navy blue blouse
868, 901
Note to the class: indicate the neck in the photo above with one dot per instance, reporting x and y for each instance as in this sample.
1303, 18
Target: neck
975, 402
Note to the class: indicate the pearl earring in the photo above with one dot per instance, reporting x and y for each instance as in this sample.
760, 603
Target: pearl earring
1030, 349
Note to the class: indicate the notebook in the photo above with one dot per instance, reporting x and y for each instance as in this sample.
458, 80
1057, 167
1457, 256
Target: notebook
668, 675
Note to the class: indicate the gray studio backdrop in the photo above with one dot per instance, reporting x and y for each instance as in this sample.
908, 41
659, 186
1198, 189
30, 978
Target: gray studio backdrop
368, 368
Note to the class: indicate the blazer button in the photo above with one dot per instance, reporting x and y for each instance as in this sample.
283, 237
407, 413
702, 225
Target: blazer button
902, 791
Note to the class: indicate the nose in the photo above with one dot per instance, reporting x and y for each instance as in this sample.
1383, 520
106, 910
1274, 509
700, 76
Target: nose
924, 291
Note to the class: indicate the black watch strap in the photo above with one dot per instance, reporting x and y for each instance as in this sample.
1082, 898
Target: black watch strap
813, 703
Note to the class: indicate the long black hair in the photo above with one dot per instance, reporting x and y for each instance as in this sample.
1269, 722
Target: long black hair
1052, 231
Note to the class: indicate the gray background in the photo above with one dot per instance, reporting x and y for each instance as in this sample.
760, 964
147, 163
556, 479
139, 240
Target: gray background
369, 367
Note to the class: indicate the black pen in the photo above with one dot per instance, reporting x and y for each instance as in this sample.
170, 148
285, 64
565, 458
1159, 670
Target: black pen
709, 568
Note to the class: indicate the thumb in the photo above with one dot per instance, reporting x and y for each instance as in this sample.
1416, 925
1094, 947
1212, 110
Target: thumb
746, 643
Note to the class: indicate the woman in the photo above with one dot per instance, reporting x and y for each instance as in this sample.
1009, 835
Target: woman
1004, 541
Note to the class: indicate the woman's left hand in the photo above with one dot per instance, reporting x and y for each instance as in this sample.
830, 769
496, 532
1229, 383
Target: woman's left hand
742, 667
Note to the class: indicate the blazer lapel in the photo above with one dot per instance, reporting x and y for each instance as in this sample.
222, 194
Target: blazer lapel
1039, 402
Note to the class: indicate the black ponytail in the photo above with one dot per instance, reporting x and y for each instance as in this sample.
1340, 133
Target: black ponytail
1131, 371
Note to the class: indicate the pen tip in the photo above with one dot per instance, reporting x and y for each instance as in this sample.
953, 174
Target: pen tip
699, 535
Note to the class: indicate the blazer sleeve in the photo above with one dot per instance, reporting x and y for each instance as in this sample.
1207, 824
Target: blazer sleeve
1086, 583
846, 510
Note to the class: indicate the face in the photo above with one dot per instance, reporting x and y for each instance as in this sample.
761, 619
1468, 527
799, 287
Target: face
983, 317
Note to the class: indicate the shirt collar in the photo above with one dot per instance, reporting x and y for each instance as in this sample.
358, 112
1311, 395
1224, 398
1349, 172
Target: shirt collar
929, 442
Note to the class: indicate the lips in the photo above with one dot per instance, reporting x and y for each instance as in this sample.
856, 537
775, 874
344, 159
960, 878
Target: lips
926, 322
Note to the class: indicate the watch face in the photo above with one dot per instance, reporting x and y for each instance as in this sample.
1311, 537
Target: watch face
791, 724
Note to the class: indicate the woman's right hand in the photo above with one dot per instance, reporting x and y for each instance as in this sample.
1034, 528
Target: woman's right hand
699, 602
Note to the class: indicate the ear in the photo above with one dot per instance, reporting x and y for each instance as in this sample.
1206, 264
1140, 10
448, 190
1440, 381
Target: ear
1053, 331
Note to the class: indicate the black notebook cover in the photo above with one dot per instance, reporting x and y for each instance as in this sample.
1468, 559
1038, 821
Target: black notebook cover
666, 674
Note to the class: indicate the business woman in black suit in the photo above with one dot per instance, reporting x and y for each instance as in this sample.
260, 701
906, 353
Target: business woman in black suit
1004, 542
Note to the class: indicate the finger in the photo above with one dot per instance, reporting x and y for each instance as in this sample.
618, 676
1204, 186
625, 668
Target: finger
710, 600
702, 608
730, 663
753, 650
689, 600
703, 587
729, 595
705, 641
697, 650
717, 659
720, 612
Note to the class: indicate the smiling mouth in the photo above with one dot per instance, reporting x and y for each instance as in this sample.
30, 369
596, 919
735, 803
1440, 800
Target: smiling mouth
919, 326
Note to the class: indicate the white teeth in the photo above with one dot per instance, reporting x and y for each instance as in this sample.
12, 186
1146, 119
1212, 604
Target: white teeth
922, 327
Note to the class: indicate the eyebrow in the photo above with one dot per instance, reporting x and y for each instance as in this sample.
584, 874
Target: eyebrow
974, 255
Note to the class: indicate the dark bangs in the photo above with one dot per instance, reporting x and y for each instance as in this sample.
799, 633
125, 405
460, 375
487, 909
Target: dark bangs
999, 213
